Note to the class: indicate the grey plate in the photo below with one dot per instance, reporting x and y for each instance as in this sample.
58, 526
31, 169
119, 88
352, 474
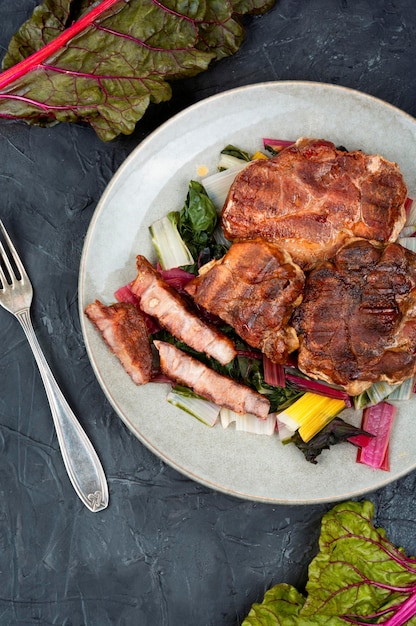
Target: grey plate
152, 181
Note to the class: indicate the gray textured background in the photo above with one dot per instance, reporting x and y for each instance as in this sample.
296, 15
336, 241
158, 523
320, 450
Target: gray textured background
167, 551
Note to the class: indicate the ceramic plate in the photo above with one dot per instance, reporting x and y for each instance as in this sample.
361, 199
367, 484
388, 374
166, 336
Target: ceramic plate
154, 180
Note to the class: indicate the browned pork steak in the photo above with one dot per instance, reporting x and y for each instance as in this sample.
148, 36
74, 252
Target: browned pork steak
311, 197
124, 330
357, 322
254, 288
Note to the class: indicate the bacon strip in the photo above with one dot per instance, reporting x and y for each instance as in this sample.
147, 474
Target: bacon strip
158, 299
224, 391
124, 330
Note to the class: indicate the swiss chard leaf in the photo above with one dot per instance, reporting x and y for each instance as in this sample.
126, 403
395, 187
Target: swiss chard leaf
196, 222
335, 432
280, 607
198, 218
357, 577
236, 152
113, 59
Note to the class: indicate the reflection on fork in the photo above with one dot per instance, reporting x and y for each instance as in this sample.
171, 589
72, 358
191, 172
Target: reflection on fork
80, 459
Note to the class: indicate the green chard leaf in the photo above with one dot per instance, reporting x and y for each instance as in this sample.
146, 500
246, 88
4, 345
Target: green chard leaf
104, 63
196, 223
236, 152
358, 571
337, 431
197, 219
357, 577
280, 606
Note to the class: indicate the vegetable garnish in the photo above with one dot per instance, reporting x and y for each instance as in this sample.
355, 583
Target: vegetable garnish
337, 431
321, 388
304, 411
169, 245
105, 65
205, 411
197, 220
311, 413
358, 577
378, 420
274, 146
185, 238
248, 423
274, 373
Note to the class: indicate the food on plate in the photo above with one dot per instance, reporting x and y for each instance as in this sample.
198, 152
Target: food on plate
306, 308
124, 330
254, 287
159, 300
311, 197
222, 390
357, 321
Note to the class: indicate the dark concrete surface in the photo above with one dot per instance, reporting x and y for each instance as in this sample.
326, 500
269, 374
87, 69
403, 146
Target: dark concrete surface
167, 551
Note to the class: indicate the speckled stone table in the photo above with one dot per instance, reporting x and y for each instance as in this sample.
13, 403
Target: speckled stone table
167, 551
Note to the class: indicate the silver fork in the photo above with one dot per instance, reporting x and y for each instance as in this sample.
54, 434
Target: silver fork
80, 459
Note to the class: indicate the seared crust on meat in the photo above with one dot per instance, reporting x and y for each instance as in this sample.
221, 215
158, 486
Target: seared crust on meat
124, 330
224, 391
312, 197
357, 321
254, 288
173, 313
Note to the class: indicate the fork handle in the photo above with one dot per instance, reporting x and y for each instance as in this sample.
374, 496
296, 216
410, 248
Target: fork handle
80, 459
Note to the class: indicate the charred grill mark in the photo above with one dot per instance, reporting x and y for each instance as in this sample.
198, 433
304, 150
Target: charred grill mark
318, 196
357, 321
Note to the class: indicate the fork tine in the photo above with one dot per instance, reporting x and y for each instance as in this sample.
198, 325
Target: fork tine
14, 255
5, 260
3, 279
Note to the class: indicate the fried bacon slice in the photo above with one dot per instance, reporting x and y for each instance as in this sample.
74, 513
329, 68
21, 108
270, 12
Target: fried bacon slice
255, 287
186, 370
159, 300
312, 197
124, 330
357, 322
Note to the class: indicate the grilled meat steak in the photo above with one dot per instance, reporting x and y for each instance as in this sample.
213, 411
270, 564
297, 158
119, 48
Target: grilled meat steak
159, 300
254, 288
311, 197
224, 391
357, 322
124, 330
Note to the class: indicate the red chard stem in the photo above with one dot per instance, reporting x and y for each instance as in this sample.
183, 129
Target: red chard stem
37, 58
